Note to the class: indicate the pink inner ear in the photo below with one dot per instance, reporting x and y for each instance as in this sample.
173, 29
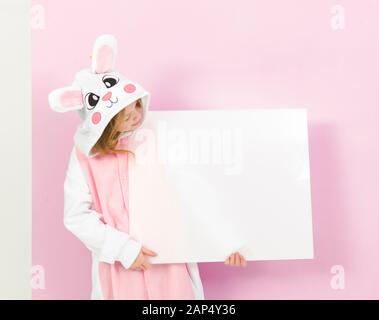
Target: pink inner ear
104, 59
71, 98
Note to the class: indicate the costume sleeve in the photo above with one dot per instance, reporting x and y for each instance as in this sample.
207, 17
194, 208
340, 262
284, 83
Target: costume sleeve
106, 241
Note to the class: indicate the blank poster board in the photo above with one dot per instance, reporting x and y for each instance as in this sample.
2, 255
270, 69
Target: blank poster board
206, 183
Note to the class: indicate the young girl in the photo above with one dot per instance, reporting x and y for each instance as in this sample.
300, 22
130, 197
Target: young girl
111, 108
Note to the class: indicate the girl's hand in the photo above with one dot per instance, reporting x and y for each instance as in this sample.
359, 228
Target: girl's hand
236, 259
141, 262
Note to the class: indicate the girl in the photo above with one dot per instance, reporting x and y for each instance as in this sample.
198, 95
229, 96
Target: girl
111, 108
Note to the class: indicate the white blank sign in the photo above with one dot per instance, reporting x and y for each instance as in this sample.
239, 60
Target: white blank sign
206, 183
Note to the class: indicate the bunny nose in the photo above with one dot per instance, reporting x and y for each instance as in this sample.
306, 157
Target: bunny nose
107, 96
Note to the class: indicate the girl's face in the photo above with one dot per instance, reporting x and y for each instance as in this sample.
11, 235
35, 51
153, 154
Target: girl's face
130, 118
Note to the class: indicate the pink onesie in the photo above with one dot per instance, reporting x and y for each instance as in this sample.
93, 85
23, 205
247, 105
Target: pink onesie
107, 177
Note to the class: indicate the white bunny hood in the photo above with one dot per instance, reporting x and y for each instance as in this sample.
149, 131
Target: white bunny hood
98, 94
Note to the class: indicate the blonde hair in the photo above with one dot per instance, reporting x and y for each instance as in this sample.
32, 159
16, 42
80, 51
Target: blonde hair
109, 138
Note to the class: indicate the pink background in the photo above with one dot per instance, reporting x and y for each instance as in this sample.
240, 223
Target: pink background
223, 54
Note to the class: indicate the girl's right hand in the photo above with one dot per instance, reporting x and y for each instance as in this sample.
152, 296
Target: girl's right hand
141, 262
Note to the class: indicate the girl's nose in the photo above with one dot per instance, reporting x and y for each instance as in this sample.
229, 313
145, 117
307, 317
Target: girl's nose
107, 96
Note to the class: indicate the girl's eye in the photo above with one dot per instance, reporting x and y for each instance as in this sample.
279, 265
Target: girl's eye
91, 100
110, 81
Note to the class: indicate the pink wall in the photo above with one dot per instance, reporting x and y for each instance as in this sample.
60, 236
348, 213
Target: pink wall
223, 54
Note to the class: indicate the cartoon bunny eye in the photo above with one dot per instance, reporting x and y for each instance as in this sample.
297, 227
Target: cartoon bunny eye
110, 81
91, 100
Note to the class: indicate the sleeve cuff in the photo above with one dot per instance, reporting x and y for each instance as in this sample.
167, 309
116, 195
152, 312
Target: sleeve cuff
114, 241
129, 253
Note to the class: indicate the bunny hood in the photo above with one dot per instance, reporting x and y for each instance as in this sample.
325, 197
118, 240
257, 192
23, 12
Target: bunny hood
98, 94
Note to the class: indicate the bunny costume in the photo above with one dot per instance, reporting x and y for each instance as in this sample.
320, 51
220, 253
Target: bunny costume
96, 187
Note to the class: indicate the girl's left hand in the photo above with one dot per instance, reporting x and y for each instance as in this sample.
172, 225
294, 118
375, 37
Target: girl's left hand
236, 259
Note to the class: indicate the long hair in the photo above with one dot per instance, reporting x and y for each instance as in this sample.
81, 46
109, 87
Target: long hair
109, 138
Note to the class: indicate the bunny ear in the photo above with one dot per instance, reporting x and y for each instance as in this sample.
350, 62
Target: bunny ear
104, 54
66, 99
